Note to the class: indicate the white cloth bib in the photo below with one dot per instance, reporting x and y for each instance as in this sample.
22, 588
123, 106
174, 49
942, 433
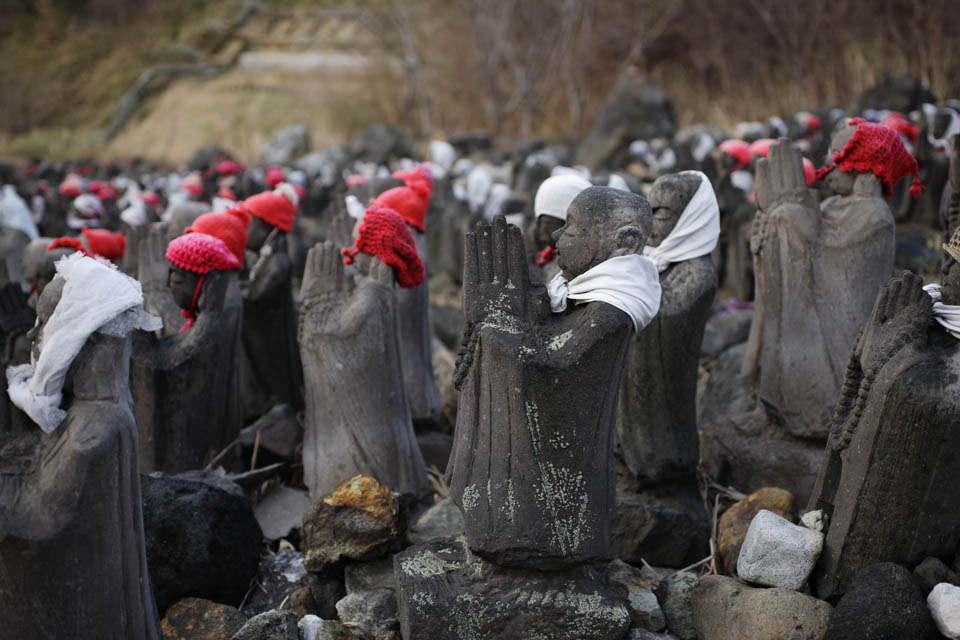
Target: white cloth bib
948, 315
696, 232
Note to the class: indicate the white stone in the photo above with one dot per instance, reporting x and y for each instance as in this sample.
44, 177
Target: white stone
778, 553
309, 625
815, 520
944, 603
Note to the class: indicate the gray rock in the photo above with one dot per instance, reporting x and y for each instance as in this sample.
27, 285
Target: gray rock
375, 574
674, 594
643, 634
197, 619
286, 144
944, 604
283, 573
374, 609
931, 572
726, 609
629, 582
313, 628
379, 143
324, 165
281, 511
725, 330
442, 520
723, 397
778, 553
272, 625
445, 593
279, 429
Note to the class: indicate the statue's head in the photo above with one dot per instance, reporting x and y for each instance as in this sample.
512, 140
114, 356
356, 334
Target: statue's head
39, 263
550, 205
602, 223
950, 271
257, 233
941, 121
183, 285
669, 196
841, 182
546, 226
184, 215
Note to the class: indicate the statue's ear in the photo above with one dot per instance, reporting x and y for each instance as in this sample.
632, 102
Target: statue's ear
630, 239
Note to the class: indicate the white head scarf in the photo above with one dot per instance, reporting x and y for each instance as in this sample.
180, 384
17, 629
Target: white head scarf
696, 232
96, 297
556, 193
629, 283
948, 315
616, 181
442, 154
15, 214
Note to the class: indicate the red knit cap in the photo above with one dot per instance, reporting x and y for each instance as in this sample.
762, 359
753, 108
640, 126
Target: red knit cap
69, 242
230, 226
277, 207
227, 194
356, 181
419, 179
72, 186
384, 234
150, 197
761, 147
200, 253
274, 176
105, 243
809, 171
739, 150
411, 206
193, 184
878, 149
899, 123
229, 168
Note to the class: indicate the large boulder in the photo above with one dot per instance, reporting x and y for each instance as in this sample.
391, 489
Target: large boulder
202, 538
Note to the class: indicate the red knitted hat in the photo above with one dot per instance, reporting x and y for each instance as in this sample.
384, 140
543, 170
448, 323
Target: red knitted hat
809, 171
739, 150
384, 234
150, 197
105, 243
419, 179
69, 242
277, 207
411, 205
193, 184
201, 253
227, 193
761, 147
274, 176
879, 149
229, 168
899, 123
230, 226
356, 181
813, 122
72, 186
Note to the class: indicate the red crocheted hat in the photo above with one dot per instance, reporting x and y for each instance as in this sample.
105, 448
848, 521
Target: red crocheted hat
274, 176
419, 179
411, 206
72, 186
277, 207
878, 149
230, 226
356, 181
739, 150
229, 168
384, 234
69, 242
99, 242
809, 171
193, 184
899, 123
201, 253
761, 147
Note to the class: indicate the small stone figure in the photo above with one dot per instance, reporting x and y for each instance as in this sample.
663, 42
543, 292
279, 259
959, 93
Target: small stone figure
550, 208
272, 368
657, 421
818, 269
357, 418
888, 477
532, 464
71, 529
186, 387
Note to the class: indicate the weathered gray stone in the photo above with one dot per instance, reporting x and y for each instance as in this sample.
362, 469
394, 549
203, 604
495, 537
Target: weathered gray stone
726, 609
286, 144
373, 574
674, 593
931, 572
272, 625
442, 520
778, 553
735, 522
724, 330
313, 628
374, 609
281, 511
723, 397
445, 593
629, 582
284, 573
944, 603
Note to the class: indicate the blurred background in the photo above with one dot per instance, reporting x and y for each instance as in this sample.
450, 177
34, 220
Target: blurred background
161, 78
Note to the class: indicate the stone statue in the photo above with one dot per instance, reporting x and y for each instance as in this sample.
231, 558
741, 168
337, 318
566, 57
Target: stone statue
16, 322
888, 476
818, 270
272, 370
72, 555
550, 208
186, 388
357, 418
532, 464
657, 420
950, 201
38, 265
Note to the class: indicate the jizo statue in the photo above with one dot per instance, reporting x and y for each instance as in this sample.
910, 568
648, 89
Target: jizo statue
550, 205
539, 376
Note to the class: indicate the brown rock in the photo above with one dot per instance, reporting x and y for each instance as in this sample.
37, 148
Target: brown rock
359, 520
198, 619
302, 602
736, 520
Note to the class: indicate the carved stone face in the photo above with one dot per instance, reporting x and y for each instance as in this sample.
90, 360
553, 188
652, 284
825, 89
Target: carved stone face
940, 123
546, 227
182, 285
950, 281
840, 182
602, 223
46, 304
257, 233
669, 196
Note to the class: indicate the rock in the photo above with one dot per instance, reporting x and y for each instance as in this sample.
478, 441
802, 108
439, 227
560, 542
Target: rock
666, 526
286, 144
359, 520
281, 511
302, 602
724, 330
944, 603
313, 628
897, 93
643, 634
435, 447
726, 609
735, 521
376, 574
815, 520
379, 143
202, 538
674, 593
445, 593
778, 553
629, 582
442, 520
723, 396
198, 619
636, 109
374, 609
882, 603
931, 572
272, 625
281, 575
279, 432
324, 165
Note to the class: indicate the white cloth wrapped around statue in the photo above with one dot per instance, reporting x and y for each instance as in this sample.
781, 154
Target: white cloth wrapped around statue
696, 231
556, 193
96, 297
947, 315
629, 283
